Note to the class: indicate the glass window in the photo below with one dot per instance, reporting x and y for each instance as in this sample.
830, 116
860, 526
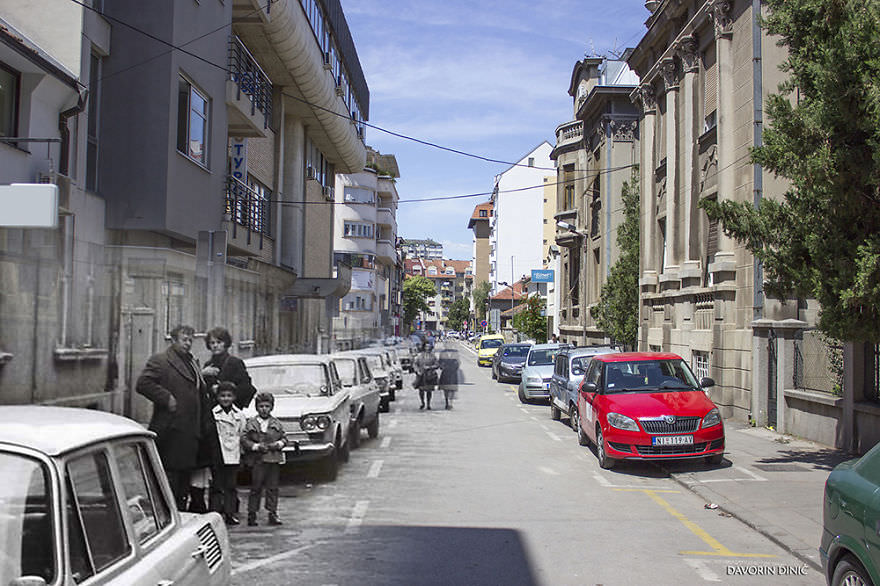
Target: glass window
649, 376
9, 81
346, 369
192, 122
147, 509
293, 379
95, 513
492, 343
26, 536
537, 357
701, 364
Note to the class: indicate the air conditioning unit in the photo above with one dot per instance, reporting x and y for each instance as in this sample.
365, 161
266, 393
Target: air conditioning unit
328, 65
310, 172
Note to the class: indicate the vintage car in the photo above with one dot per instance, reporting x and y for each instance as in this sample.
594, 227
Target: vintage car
647, 405
537, 371
84, 499
487, 346
507, 364
571, 365
381, 371
312, 404
354, 372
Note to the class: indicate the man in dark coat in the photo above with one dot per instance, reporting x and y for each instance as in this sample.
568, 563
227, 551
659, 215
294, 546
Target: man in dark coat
172, 381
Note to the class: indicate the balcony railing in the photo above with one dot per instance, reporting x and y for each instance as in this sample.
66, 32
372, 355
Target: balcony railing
569, 132
250, 79
247, 209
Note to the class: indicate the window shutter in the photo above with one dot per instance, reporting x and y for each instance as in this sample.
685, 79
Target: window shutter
710, 81
712, 240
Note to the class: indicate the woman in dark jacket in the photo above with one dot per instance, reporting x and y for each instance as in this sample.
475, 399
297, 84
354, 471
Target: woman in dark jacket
223, 366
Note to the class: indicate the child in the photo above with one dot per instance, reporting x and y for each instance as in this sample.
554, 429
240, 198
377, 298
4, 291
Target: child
262, 442
230, 427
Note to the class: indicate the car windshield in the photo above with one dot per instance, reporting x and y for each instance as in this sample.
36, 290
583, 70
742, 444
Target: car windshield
290, 379
540, 357
516, 351
26, 540
376, 362
493, 343
346, 369
580, 362
649, 376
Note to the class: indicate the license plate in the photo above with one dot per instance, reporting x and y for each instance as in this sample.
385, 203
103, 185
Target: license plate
673, 440
546, 386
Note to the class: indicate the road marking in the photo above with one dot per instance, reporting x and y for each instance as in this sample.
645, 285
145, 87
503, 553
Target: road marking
702, 570
753, 477
549, 471
392, 423
375, 468
357, 516
271, 559
533, 418
717, 548
553, 436
386, 441
543, 425
757, 477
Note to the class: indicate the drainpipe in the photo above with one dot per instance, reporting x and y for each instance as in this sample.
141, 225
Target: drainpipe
757, 141
63, 163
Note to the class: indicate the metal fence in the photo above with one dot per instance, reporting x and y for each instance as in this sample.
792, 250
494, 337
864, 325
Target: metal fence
818, 364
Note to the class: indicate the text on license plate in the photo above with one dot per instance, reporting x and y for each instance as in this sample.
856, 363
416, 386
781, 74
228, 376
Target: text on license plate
673, 440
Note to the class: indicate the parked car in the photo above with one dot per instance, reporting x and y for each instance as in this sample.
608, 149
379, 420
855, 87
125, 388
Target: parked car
396, 370
354, 373
311, 403
507, 364
537, 371
84, 498
647, 405
406, 353
381, 371
487, 346
851, 511
568, 372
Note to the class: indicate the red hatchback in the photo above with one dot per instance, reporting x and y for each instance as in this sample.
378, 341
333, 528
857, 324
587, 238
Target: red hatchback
649, 406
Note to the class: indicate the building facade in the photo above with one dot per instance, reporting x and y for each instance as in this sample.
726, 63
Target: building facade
453, 280
595, 154
365, 236
479, 224
424, 248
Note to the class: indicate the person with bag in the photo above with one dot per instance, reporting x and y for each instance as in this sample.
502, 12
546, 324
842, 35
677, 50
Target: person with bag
427, 369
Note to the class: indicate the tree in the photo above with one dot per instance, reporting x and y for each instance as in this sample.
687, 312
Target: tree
459, 313
617, 312
822, 239
480, 295
416, 291
531, 321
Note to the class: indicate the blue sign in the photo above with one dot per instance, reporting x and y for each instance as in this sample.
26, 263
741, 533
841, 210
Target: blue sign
542, 276
483, 323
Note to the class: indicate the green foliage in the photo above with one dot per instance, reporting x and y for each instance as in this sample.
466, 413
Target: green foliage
459, 313
480, 295
416, 291
530, 322
617, 312
822, 240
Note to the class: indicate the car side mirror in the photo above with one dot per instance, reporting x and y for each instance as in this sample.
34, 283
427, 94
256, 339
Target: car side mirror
589, 388
706, 382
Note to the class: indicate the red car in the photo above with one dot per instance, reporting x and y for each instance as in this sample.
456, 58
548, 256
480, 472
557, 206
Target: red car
648, 406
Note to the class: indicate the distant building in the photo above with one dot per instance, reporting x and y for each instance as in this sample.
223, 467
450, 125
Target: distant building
479, 223
427, 249
453, 280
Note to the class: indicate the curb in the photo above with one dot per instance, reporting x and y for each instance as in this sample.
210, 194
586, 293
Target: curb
739, 513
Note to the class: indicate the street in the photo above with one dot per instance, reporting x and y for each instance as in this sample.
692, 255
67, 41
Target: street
495, 492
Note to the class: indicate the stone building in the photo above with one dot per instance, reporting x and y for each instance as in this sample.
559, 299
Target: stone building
453, 280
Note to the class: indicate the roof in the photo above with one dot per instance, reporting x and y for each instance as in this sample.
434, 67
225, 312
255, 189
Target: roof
549, 346
287, 359
56, 430
634, 356
475, 215
460, 266
589, 350
506, 293
514, 310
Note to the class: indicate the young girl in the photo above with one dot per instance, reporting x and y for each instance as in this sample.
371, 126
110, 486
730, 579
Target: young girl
230, 426
262, 442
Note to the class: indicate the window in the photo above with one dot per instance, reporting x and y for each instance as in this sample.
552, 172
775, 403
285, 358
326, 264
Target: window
174, 291
148, 511
192, 122
258, 214
568, 187
710, 88
358, 230
9, 86
92, 134
531, 161
95, 528
700, 364
484, 213
359, 195
432, 270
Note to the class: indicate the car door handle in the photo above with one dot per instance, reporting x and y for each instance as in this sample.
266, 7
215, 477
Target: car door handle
165, 583
199, 552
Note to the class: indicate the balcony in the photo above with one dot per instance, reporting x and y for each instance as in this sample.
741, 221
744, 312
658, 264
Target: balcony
248, 93
385, 217
385, 252
247, 217
569, 136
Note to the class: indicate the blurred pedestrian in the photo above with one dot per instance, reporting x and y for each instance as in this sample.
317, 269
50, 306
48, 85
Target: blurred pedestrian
427, 369
449, 375
262, 444
230, 423
223, 366
173, 382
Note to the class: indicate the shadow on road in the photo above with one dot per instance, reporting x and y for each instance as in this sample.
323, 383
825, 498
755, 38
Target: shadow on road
817, 459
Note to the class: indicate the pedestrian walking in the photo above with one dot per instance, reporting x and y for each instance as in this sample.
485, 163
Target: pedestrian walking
427, 369
223, 366
230, 422
262, 442
173, 382
449, 375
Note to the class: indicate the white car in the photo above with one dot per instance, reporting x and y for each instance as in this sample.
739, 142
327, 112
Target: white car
354, 372
381, 371
84, 499
312, 404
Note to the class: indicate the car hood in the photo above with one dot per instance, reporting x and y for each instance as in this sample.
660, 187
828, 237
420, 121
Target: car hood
682, 403
541, 370
513, 359
299, 405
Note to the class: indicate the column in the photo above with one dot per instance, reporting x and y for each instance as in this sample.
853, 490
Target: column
686, 49
294, 191
646, 99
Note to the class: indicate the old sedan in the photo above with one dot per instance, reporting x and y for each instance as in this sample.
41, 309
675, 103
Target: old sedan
311, 403
648, 406
354, 372
84, 499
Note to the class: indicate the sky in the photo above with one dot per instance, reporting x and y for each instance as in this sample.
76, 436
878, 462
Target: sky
487, 77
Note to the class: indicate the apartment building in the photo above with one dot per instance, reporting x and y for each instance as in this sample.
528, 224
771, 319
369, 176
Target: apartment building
365, 236
421, 248
479, 223
594, 154
515, 240
453, 280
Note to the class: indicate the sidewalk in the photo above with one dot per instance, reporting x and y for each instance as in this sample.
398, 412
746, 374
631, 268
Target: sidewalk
770, 482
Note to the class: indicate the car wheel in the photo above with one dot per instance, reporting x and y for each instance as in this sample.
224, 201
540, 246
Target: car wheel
383, 405
555, 413
604, 461
574, 423
714, 459
849, 572
373, 427
400, 384
329, 467
392, 394
494, 376
522, 395
583, 440
355, 434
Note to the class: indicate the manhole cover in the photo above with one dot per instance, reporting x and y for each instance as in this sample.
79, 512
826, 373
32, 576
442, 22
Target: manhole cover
780, 467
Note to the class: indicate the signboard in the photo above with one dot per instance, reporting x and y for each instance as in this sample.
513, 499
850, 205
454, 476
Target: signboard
238, 154
29, 205
542, 275
483, 324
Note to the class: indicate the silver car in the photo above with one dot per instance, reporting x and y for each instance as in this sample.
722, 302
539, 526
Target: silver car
354, 372
537, 371
571, 365
381, 371
85, 500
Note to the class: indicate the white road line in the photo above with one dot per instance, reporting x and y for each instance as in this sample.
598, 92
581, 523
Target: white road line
757, 477
357, 516
702, 570
543, 425
601, 480
375, 468
386, 441
553, 436
549, 471
605, 484
533, 418
271, 559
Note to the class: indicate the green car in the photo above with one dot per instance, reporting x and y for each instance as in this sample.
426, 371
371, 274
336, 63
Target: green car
850, 548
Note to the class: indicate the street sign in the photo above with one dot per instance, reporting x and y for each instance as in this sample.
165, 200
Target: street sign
542, 276
483, 323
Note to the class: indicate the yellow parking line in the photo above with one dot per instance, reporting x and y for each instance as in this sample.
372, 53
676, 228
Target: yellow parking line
717, 548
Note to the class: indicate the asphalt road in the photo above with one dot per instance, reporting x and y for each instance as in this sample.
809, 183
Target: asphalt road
494, 492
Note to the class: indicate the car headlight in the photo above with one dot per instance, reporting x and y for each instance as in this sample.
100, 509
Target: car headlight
315, 422
712, 418
533, 380
622, 422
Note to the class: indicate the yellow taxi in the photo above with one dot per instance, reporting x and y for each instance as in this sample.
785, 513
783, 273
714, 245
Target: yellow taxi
487, 346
